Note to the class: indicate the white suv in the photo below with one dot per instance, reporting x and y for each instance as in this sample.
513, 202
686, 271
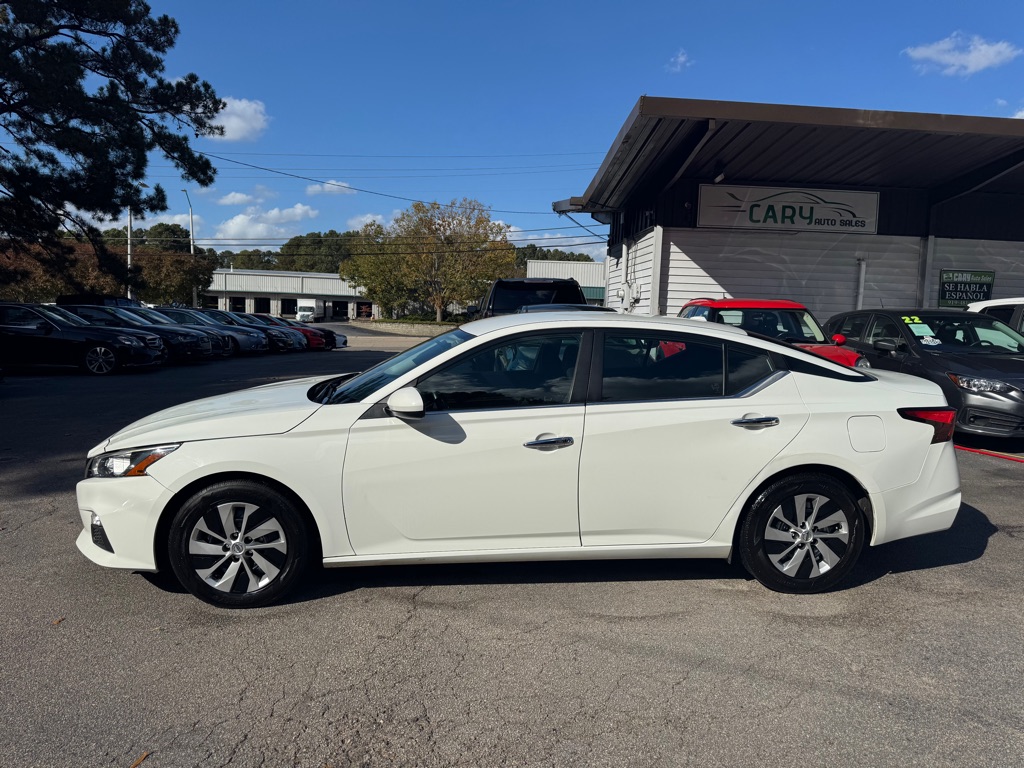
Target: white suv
1009, 311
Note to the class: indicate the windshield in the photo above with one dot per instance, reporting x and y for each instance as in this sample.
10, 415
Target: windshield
130, 317
154, 317
797, 326
61, 315
964, 334
355, 389
256, 319
508, 297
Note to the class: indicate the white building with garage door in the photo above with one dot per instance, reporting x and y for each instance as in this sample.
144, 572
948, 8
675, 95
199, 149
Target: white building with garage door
278, 293
836, 208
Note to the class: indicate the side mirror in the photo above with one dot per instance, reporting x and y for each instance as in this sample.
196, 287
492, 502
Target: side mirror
472, 310
406, 403
838, 339
885, 345
45, 327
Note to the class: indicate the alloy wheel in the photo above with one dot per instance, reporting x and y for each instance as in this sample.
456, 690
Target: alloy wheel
807, 535
237, 547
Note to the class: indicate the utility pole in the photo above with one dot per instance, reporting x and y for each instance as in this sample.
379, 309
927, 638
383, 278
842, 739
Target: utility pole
192, 248
143, 185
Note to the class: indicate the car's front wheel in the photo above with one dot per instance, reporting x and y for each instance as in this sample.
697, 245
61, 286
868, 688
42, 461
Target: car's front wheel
99, 360
802, 534
238, 544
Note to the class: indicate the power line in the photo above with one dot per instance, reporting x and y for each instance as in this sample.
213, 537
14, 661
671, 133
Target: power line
366, 191
411, 157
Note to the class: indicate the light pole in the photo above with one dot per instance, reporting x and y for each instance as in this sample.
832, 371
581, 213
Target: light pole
192, 248
143, 185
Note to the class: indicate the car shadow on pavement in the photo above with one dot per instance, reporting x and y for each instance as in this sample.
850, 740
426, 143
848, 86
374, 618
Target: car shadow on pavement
329, 582
965, 541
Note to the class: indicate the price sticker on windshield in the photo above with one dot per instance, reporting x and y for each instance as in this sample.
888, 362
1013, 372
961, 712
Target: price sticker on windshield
918, 328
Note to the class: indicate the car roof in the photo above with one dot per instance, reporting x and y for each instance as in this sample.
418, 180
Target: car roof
539, 320
953, 311
745, 303
997, 302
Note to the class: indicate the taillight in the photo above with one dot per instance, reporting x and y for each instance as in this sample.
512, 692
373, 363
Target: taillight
942, 420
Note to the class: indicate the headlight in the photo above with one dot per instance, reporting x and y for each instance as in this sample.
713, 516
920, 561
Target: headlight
862, 362
976, 384
131, 463
276, 334
182, 338
131, 341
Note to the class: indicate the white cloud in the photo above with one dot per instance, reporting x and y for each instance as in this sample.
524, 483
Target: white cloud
961, 55
330, 188
258, 224
297, 212
1001, 102
358, 222
1019, 114
679, 62
243, 120
237, 198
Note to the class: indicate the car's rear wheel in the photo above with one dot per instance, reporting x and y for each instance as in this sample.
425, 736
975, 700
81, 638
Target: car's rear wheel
238, 544
802, 534
99, 360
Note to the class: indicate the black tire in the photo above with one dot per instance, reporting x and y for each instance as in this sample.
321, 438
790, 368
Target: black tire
99, 360
227, 568
802, 534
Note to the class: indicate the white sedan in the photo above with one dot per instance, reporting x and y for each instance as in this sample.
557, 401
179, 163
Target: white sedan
531, 437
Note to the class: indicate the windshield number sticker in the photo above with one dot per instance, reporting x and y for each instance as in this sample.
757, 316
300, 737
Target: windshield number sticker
911, 319
920, 329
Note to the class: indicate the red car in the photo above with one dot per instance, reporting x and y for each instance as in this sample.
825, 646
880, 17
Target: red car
779, 319
313, 336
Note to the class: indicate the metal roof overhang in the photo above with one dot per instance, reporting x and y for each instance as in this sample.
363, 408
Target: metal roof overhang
666, 140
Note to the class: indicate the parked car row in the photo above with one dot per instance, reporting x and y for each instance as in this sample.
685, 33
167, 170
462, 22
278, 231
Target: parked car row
976, 357
102, 339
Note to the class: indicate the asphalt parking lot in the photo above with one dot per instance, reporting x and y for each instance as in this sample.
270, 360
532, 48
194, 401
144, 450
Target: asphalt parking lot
916, 661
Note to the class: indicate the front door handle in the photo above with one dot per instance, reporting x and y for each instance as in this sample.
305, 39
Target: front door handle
549, 443
756, 422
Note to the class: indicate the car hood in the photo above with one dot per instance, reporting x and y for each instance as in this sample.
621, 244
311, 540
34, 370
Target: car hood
267, 410
1002, 367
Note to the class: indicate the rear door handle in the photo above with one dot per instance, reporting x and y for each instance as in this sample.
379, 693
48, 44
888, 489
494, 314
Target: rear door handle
756, 422
549, 443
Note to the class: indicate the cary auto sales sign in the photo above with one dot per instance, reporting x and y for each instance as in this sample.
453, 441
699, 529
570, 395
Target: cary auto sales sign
794, 210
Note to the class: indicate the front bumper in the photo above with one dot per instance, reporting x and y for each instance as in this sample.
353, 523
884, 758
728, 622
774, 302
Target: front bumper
127, 510
990, 414
133, 357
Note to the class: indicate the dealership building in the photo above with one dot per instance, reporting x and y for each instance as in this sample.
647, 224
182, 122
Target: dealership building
277, 293
836, 208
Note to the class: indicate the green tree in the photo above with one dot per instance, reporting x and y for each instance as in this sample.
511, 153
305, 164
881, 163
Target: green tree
452, 251
170, 276
164, 237
533, 252
378, 267
83, 102
247, 259
318, 251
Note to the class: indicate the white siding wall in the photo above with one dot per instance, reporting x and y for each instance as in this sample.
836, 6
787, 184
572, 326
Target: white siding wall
586, 273
1006, 259
632, 273
612, 280
815, 268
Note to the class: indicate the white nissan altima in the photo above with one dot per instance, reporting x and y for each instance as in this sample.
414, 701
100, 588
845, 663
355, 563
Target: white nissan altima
531, 437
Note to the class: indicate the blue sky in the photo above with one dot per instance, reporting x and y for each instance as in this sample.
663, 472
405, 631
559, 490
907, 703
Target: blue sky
516, 103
